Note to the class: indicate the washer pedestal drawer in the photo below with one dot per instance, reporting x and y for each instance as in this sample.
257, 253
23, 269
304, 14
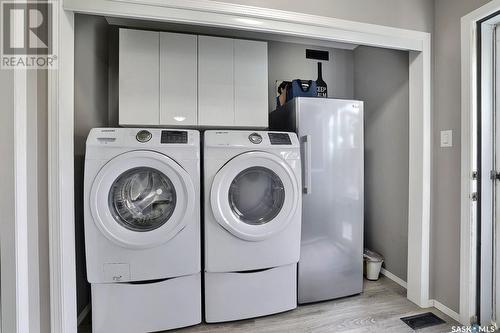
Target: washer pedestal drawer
146, 307
240, 295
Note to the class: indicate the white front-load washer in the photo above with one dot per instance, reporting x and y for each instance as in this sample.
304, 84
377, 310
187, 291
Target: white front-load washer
252, 223
142, 228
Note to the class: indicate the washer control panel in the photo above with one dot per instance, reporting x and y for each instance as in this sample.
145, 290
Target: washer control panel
279, 139
143, 136
174, 137
255, 138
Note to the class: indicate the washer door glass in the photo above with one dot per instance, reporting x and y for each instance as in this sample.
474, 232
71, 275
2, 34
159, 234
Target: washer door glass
142, 199
256, 195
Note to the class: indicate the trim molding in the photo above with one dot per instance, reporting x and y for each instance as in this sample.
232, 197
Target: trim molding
61, 180
444, 309
432, 302
83, 314
228, 15
393, 277
21, 241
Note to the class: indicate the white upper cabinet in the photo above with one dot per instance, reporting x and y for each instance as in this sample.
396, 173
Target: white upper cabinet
170, 79
250, 83
232, 82
139, 84
215, 81
178, 79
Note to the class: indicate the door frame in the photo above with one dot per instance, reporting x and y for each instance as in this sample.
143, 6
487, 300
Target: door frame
233, 16
469, 136
19, 280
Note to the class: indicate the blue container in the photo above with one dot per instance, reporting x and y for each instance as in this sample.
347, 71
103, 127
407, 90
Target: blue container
299, 88
302, 88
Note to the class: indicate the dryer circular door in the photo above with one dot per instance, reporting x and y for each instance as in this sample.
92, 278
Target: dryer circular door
141, 199
254, 195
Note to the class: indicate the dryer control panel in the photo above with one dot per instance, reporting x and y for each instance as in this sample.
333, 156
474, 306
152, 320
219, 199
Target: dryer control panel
251, 139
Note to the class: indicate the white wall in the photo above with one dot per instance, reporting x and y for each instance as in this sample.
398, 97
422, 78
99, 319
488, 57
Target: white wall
288, 61
381, 81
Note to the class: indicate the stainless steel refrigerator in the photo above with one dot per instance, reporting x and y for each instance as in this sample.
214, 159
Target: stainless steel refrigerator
331, 135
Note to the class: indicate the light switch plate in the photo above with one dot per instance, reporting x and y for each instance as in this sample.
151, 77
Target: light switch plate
446, 138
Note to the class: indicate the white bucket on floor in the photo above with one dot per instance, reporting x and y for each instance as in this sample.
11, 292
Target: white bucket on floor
373, 264
373, 269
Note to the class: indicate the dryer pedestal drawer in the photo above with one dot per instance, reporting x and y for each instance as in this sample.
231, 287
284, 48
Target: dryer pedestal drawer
235, 296
146, 307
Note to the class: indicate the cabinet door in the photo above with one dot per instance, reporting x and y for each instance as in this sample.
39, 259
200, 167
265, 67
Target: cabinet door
215, 81
178, 79
250, 84
139, 83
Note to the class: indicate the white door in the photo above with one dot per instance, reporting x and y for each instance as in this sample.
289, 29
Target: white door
215, 81
139, 77
140, 199
178, 79
489, 279
254, 195
495, 228
250, 84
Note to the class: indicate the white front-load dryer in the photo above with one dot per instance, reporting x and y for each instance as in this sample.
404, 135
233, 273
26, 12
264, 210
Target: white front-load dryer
142, 228
252, 223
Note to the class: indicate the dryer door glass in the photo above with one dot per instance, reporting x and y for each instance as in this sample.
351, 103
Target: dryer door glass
142, 199
256, 195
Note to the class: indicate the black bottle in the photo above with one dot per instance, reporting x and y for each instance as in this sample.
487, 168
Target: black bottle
320, 84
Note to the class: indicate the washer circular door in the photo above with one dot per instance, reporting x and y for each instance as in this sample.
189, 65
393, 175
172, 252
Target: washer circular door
141, 199
254, 195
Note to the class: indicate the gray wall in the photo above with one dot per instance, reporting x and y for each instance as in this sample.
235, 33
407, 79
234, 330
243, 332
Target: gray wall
7, 278
91, 110
288, 61
445, 228
37, 161
406, 14
43, 211
381, 81
39, 166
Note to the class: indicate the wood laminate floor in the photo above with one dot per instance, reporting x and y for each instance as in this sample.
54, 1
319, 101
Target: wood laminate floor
378, 309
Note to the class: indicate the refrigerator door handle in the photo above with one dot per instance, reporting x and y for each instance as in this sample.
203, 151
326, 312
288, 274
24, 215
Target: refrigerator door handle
306, 182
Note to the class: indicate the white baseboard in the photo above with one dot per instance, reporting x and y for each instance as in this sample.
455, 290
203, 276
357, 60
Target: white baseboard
82, 315
393, 277
444, 309
432, 302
